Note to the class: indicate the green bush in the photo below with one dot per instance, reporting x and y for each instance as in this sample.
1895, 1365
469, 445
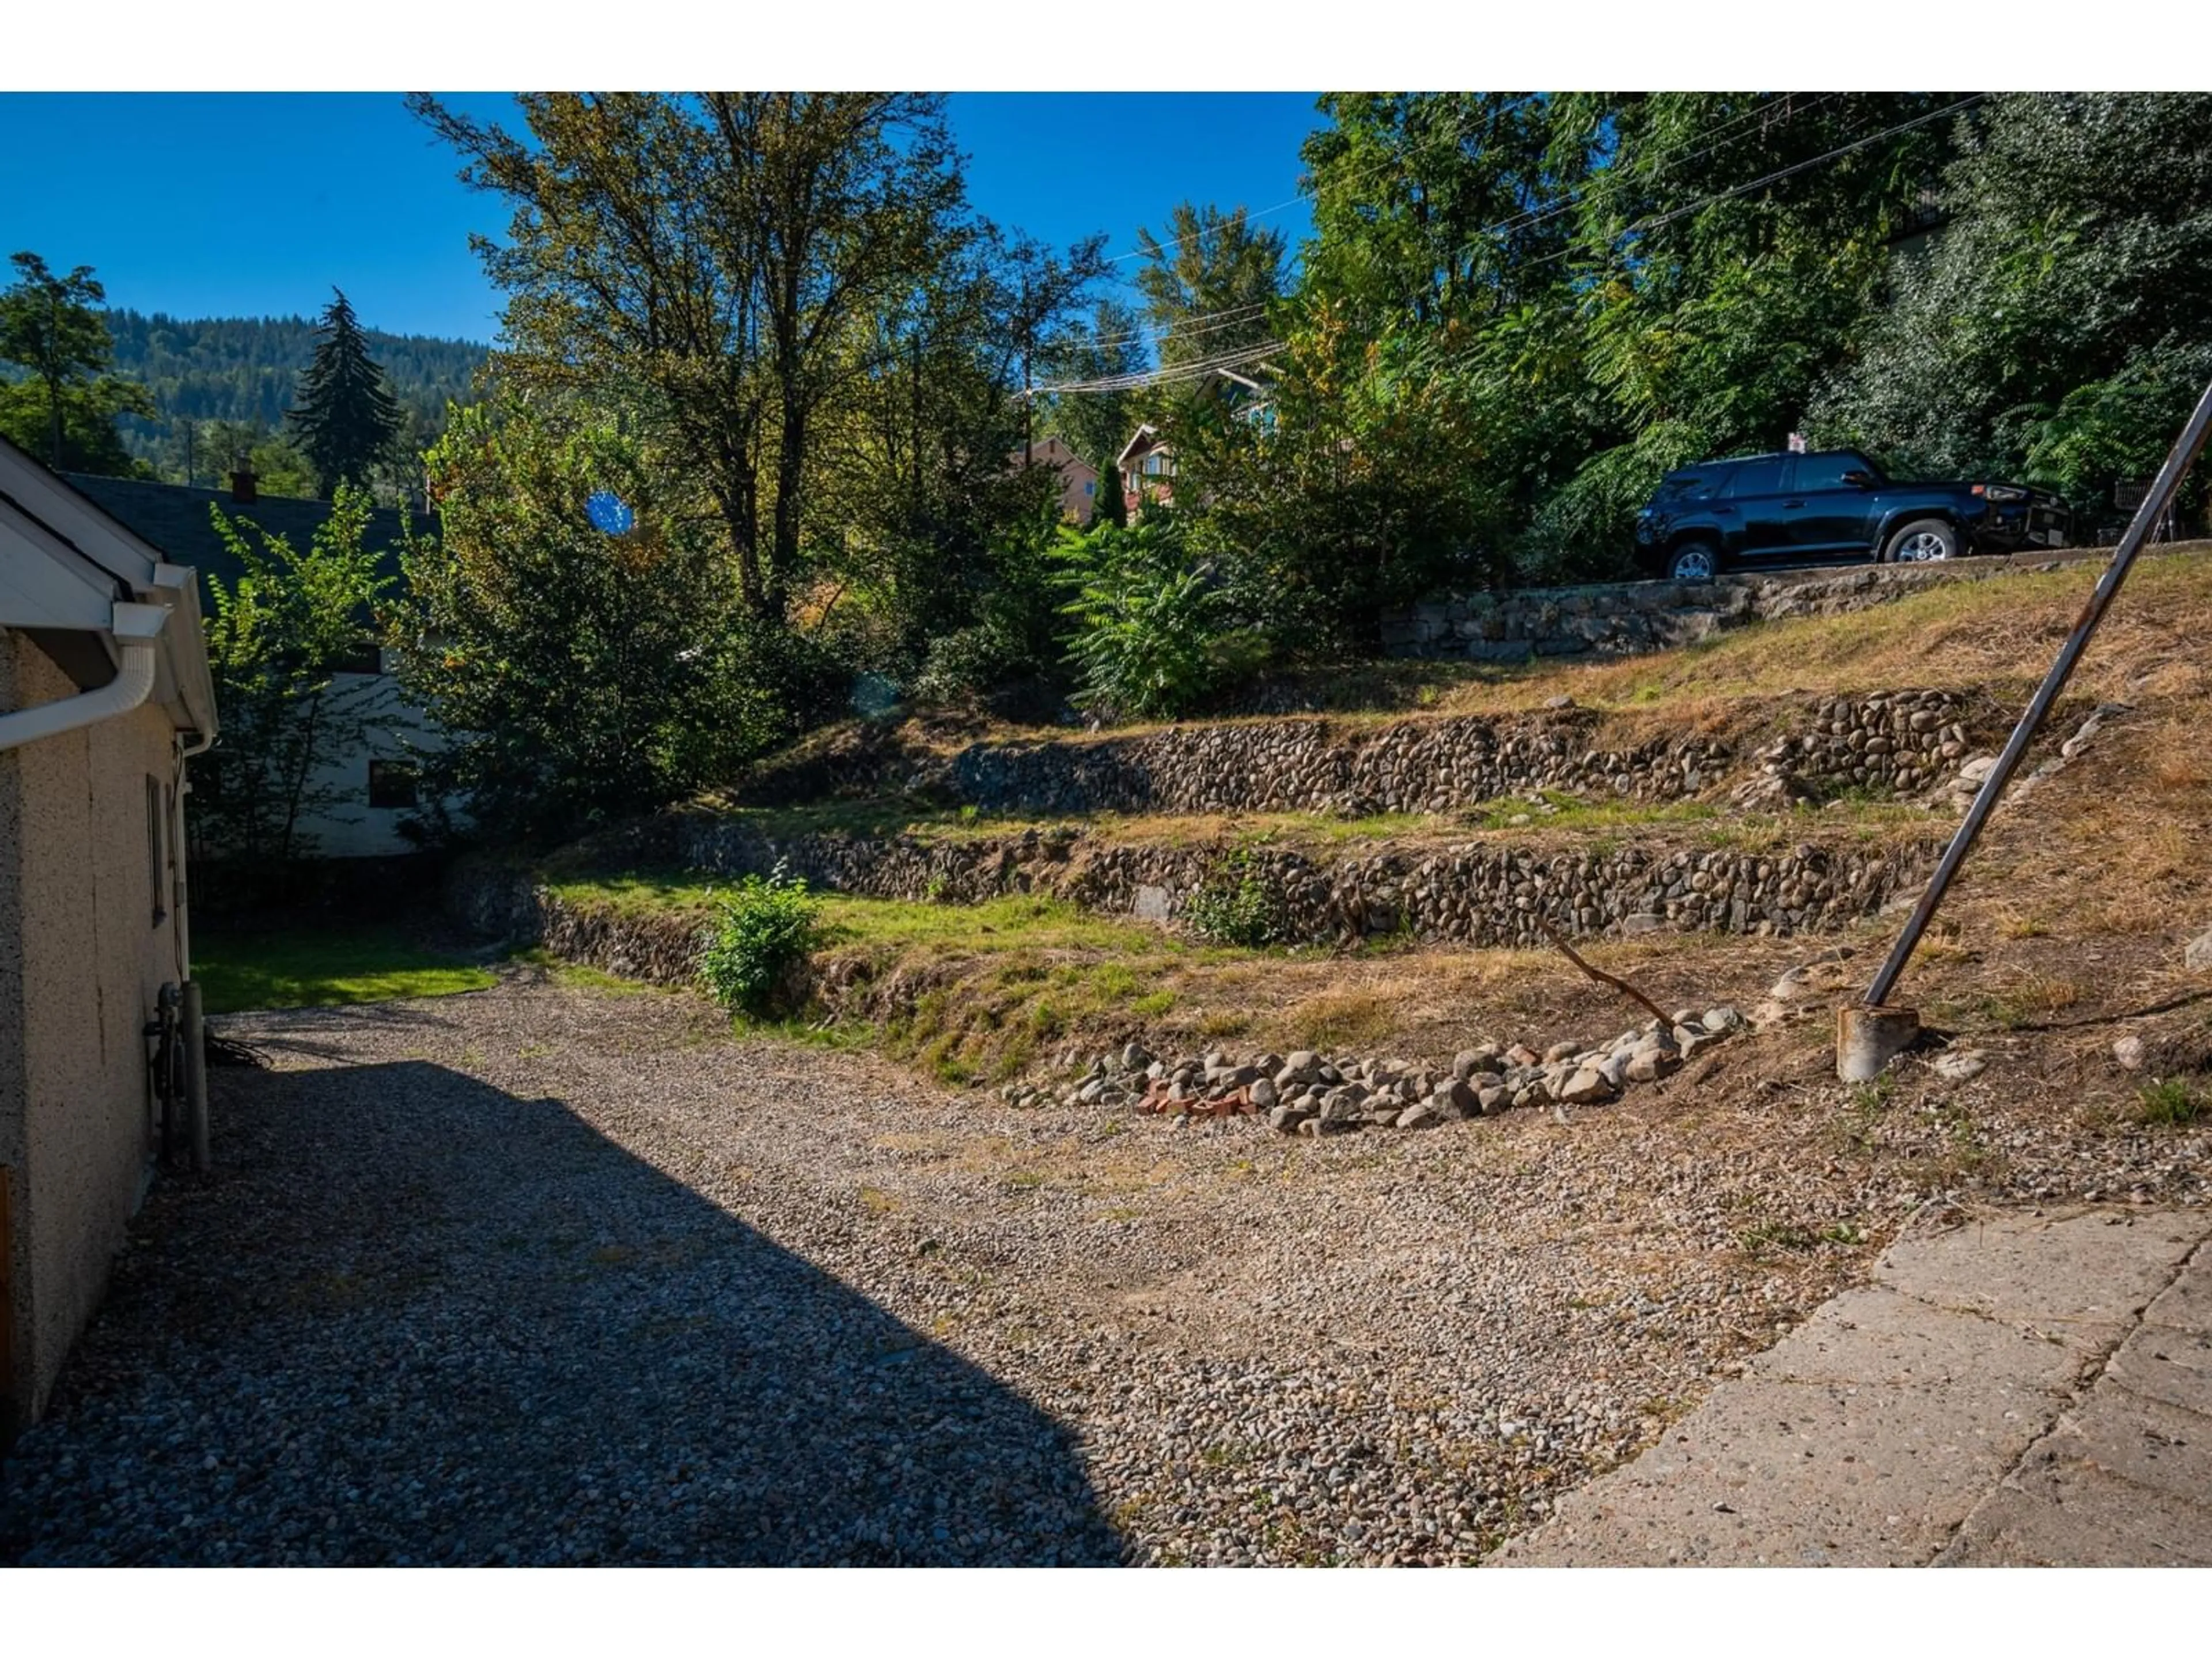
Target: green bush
768, 924
1148, 636
1236, 904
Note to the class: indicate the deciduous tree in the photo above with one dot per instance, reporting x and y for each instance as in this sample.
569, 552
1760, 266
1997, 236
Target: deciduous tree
67, 408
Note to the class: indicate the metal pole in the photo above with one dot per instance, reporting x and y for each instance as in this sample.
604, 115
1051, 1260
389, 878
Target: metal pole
196, 1089
2153, 507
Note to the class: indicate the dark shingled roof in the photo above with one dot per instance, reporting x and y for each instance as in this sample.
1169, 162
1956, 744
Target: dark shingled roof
174, 518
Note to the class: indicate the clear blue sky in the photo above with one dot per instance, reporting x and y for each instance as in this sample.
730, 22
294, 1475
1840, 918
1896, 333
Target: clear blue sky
252, 204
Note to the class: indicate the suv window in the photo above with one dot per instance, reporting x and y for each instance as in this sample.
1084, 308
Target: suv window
1827, 471
1755, 478
1700, 485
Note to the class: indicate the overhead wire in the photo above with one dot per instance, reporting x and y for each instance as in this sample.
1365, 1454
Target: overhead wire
1202, 322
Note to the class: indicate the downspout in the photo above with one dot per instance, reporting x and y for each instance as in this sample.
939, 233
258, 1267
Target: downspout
135, 627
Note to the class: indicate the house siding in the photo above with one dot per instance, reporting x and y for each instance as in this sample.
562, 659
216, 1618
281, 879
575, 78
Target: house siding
80, 963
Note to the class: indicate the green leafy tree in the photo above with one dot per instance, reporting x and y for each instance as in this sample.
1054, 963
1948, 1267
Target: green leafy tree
762, 931
277, 641
2059, 325
346, 418
1113, 501
1095, 424
221, 447
705, 264
244, 372
1214, 265
582, 676
68, 406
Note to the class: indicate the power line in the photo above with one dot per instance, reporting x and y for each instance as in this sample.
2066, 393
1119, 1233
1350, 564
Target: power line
1206, 322
1174, 374
1457, 131
1651, 222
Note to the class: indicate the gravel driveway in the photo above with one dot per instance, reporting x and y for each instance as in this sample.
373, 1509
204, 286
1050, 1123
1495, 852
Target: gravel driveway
545, 1273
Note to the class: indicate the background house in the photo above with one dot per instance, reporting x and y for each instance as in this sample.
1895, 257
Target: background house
104, 692
1147, 467
374, 786
1079, 479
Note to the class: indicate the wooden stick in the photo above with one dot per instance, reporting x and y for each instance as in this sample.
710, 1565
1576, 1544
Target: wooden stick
1600, 975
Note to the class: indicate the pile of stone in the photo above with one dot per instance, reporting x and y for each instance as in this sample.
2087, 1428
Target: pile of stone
1312, 1094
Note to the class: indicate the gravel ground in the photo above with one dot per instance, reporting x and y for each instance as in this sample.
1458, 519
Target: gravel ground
554, 1274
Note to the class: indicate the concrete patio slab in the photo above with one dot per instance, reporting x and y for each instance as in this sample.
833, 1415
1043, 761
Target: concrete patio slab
1999, 1395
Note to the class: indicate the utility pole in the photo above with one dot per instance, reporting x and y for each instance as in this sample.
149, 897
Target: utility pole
1028, 403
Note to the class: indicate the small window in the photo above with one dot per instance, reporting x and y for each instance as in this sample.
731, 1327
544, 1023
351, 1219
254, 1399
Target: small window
1691, 486
1826, 471
1756, 478
392, 784
1090, 486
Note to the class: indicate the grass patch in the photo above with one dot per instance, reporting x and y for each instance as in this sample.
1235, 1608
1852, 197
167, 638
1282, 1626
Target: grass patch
2172, 1101
577, 976
1340, 1019
325, 967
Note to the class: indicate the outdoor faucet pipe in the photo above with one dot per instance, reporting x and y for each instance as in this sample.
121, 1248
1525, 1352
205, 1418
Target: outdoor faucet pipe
136, 627
2154, 504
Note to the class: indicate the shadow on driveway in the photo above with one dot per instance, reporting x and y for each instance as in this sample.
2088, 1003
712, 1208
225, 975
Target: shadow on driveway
416, 1319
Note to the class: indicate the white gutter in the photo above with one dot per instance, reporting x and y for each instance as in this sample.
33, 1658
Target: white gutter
136, 627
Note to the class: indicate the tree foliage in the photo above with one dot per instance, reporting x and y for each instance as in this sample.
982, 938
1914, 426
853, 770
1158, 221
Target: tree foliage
2062, 324
228, 381
66, 407
276, 642
581, 676
1211, 263
1150, 635
346, 418
1095, 424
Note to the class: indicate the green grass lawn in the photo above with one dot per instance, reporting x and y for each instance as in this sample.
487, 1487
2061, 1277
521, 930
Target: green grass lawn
321, 967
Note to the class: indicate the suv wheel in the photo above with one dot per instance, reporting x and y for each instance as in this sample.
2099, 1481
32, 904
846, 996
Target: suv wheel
1922, 542
1694, 561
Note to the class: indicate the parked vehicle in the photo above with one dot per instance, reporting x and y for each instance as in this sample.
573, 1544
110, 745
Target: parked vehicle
1768, 510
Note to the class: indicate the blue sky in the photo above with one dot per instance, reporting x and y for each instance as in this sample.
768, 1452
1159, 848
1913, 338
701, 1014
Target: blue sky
251, 204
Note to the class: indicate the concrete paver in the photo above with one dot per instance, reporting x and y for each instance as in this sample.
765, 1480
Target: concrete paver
2024, 1389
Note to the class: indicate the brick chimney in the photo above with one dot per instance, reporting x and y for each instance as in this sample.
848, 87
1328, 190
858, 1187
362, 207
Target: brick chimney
242, 485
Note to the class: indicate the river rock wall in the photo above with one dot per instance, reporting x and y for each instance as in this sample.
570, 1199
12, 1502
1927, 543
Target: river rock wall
1474, 893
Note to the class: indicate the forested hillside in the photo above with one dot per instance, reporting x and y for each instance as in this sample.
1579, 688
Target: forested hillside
244, 371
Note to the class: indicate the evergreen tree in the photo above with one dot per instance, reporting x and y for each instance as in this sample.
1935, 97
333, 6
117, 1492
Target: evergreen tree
1113, 506
346, 417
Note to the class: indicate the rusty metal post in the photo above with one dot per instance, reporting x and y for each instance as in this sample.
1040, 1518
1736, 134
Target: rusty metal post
2154, 505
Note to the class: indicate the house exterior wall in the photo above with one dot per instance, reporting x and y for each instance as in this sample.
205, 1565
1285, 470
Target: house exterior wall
350, 828
82, 960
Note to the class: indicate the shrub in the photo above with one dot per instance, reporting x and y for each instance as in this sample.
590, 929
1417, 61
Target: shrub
1236, 904
1148, 636
765, 927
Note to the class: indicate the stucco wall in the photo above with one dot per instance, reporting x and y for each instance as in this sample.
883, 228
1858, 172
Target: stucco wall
351, 827
84, 961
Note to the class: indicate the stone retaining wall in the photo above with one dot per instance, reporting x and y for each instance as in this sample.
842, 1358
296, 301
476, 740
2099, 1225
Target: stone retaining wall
1901, 742
1471, 894
1423, 765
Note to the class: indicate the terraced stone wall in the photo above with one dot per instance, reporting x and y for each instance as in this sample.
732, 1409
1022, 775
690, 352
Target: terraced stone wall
1429, 765
1474, 893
